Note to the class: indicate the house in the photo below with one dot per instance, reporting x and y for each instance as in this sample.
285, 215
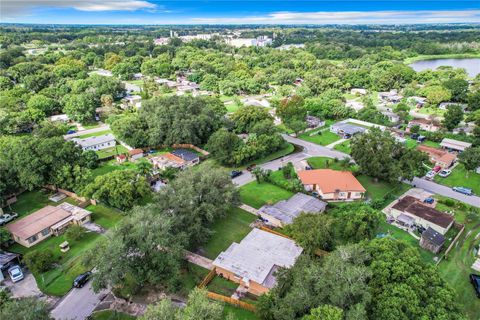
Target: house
161, 41
445, 105
392, 116
391, 96
355, 105
332, 185
167, 160
130, 87
96, 142
285, 211
439, 157
46, 222
291, 46
410, 212
314, 122
454, 145
253, 262
188, 156
121, 158
431, 240
135, 154
419, 101
358, 91
346, 130
60, 118
424, 124
132, 100
138, 76
256, 102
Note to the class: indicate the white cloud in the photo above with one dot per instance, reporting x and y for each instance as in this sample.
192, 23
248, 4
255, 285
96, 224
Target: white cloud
352, 17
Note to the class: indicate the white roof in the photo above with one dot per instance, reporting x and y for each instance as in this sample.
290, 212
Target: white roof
455, 144
92, 141
59, 117
257, 254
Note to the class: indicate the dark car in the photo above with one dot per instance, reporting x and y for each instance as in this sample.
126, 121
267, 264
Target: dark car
71, 131
414, 136
475, 280
251, 167
235, 173
81, 279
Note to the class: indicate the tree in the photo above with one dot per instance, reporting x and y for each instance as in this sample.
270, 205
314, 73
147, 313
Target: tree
222, 145
355, 223
453, 117
470, 158
246, 117
130, 129
293, 112
75, 232
44, 105
474, 100
121, 189
4, 236
325, 312
39, 260
436, 94
25, 309
458, 88
312, 232
80, 107
144, 167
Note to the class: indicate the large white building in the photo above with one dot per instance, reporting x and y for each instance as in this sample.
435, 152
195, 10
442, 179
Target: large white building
96, 143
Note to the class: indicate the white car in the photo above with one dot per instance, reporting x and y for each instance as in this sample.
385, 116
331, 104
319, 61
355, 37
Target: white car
430, 175
445, 173
7, 217
15, 273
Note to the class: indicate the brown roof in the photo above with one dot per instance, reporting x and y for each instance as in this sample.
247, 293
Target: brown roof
329, 180
403, 203
431, 150
170, 157
447, 158
37, 221
135, 151
414, 207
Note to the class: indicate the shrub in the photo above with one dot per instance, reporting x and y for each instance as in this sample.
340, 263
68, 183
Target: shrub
39, 261
74, 232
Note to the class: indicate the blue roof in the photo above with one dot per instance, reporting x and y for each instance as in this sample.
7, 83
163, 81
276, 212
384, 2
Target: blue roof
185, 154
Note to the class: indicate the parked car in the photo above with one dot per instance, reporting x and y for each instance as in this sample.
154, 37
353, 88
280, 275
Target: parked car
71, 131
81, 279
421, 138
414, 136
15, 273
7, 217
235, 173
430, 175
475, 281
429, 200
251, 167
437, 168
445, 173
463, 190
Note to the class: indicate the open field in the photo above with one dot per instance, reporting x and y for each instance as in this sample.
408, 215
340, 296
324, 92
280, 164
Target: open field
324, 138
460, 177
257, 194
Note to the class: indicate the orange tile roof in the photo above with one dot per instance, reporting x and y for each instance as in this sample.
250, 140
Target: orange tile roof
172, 157
135, 151
329, 180
37, 221
447, 158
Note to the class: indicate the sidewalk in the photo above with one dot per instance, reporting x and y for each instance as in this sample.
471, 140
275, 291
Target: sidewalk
333, 144
198, 260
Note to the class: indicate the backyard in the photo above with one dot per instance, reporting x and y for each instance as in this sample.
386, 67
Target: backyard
105, 153
460, 177
258, 194
323, 138
112, 165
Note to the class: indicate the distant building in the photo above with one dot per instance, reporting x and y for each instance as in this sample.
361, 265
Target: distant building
60, 118
392, 116
102, 72
285, 211
346, 130
254, 261
161, 41
332, 185
419, 101
431, 240
96, 142
391, 96
359, 91
445, 105
355, 105
454, 145
424, 124
256, 102
314, 122
135, 154
190, 158
291, 46
133, 101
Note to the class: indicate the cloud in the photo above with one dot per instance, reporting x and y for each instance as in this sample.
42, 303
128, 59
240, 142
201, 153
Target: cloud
13, 8
351, 17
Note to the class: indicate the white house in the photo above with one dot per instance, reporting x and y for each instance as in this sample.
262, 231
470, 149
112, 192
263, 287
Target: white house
96, 143
359, 91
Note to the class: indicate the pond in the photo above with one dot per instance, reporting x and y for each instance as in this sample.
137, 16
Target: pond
472, 65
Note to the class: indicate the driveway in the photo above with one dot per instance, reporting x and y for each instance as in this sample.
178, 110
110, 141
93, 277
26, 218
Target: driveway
103, 127
78, 303
445, 191
24, 288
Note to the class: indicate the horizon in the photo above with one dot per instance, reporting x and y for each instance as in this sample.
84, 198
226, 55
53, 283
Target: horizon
228, 12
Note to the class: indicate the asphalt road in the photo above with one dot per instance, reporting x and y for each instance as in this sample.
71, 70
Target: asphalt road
81, 133
78, 303
445, 191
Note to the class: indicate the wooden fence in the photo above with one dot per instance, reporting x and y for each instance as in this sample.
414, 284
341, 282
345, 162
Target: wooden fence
274, 232
450, 247
207, 278
234, 302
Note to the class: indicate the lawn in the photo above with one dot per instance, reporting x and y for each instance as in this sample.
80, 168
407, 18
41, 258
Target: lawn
411, 143
325, 162
232, 228
191, 277
31, 201
431, 111
111, 315
456, 268
323, 138
258, 194
95, 134
461, 177
432, 144
343, 147
58, 280
238, 313
105, 153
232, 107
112, 165
105, 216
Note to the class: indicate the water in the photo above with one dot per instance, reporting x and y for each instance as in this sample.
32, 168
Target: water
472, 65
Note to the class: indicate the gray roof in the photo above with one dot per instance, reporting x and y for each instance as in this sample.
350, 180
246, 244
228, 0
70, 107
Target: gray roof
257, 255
185, 154
92, 141
433, 236
287, 210
348, 128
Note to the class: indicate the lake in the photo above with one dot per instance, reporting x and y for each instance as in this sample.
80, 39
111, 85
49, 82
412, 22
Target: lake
472, 65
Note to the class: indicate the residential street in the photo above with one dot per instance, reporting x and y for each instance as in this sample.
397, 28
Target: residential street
445, 191
103, 127
78, 303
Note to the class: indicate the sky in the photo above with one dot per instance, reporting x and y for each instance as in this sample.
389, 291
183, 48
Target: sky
238, 12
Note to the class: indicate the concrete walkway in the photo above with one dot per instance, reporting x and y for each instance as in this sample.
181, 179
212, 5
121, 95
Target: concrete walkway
247, 208
198, 260
333, 144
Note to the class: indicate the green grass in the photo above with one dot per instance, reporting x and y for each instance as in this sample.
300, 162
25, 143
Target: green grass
31, 201
95, 134
411, 143
432, 144
442, 56
258, 194
325, 138
431, 111
232, 107
111, 315
105, 216
460, 177
238, 313
191, 277
58, 281
222, 286
325, 162
343, 147
112, 165
232, 228
136, 82
90, 125
289, 148
118, 149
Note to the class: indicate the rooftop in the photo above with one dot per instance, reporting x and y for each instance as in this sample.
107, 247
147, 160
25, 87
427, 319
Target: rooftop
330, 180
455, 144
135, 152
257, 254
348, 128
412, 206
95, 140
287, 210
433, 236
185, 154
